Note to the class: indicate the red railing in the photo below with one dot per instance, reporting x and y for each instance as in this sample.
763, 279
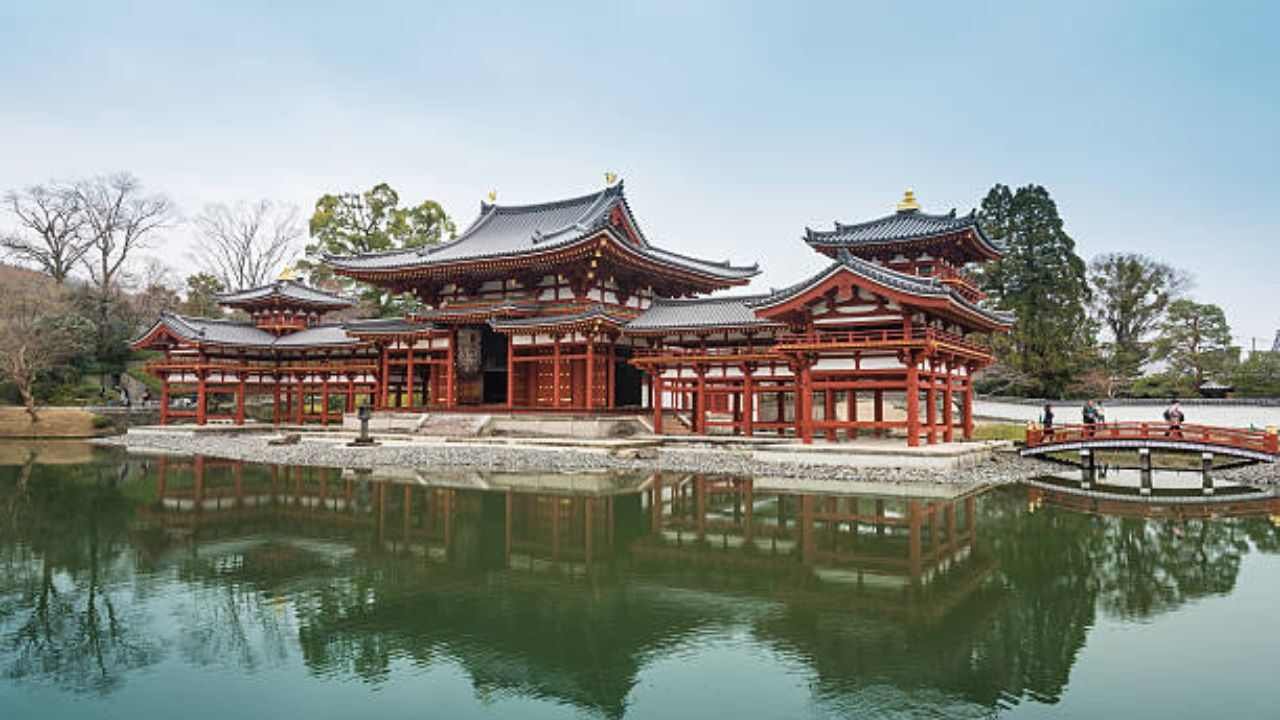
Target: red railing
1263, 441
880, 337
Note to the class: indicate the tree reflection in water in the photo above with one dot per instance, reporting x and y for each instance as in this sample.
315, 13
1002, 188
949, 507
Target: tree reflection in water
569, 588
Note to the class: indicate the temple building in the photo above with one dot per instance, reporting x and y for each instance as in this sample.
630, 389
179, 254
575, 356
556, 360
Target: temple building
568, 307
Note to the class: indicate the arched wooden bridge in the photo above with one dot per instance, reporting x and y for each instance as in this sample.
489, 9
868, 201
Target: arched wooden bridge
1257, 445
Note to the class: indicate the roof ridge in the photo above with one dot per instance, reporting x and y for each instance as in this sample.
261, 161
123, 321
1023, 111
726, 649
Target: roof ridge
722, 298
555, 204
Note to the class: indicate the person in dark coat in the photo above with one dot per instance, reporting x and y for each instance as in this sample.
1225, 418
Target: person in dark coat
1047, 421
1090, 417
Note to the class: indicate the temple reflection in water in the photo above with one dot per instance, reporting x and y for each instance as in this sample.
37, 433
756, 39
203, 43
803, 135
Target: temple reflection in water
572, 589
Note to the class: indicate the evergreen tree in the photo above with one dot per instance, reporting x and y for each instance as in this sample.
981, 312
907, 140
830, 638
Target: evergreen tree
1043, 281
1195, 341
1131, 293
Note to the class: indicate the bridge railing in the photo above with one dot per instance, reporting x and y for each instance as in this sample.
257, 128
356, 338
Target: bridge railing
1265, 441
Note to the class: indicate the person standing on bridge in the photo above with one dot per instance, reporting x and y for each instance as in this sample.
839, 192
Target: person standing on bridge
1173, 415
1047, 421
1090, 417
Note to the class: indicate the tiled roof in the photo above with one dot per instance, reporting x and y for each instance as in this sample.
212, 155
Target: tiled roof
317, 336
901, 226
513, 230
210, 330
386, 326
729, 311
283, 292
911, 284
592, 313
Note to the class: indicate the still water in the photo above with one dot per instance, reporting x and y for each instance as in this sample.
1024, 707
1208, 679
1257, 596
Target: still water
137, 587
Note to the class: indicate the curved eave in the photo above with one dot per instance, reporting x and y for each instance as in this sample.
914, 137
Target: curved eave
827, 242
547, 254
938, 298
277, 301
594, 317
709, 328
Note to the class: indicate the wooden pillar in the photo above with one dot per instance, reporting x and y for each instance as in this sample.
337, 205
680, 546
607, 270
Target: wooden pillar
240, 390
804, 405
656, 385
829, 413
851, 411
299, 410
351, 394
590, 379
555, 373
913, 400
408, 375
511, 378
450, 370
384, 380
948, 398
878, 412
931, 406
748, 401
164, 400
611, 375
967, 411
700, 402
202, 398
324, 400
275, 400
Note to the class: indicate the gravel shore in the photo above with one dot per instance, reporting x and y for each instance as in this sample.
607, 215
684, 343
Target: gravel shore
1002, 467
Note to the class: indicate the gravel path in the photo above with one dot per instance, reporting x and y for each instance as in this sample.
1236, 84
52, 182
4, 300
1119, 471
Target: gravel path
1003, 467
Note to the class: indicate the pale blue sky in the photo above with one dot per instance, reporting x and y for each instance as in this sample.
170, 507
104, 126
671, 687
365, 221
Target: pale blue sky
1154, 125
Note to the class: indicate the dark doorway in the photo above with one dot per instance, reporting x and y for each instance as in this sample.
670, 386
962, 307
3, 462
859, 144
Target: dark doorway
627, 381
493, 366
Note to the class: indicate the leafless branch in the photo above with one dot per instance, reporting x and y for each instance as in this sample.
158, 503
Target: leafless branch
51, 228
247, 244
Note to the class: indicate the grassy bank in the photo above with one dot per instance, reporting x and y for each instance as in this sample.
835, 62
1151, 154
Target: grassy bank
54, 423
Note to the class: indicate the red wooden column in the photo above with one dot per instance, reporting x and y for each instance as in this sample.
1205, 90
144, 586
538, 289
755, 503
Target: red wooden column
656, 390
748, 400
450, 371
202, 398
948, 396
511, 377
829, 413
275, 399
610, 378
240, 390
878, 412
967, 410
590, 379
804, 405
324, 400
913, 399
164, 399
408, 374
299, 409
384, 380
931, 409
700, 401
351, 394
851, 410
555, 373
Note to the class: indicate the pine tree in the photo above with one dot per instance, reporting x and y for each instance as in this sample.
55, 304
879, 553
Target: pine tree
1043, 281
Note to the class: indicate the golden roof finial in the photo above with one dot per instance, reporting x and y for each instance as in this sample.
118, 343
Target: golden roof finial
908, 202
288, 274
493, 196
610, 178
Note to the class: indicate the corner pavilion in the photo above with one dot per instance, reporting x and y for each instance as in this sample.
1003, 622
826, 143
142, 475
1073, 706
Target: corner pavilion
566, 306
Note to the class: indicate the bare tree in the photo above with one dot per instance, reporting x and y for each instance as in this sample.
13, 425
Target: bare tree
51, 227
38, 330
246, 245
119, 220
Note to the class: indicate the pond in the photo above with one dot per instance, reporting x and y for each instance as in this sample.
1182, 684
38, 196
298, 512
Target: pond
148, 586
